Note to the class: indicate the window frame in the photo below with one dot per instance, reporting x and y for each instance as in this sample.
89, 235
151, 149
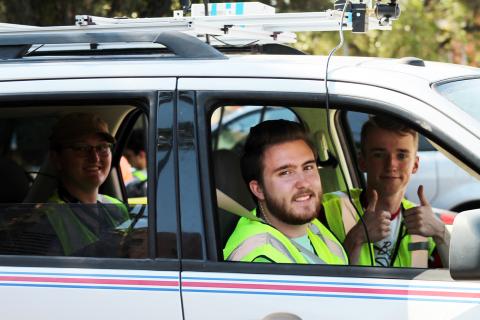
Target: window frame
149, 101
207, 101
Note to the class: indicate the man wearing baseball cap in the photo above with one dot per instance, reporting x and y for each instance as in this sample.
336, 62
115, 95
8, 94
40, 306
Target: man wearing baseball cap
81, 146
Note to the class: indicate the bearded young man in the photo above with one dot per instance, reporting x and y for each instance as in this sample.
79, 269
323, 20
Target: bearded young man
279, 167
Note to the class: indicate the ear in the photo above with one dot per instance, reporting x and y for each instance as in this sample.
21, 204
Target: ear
416, 164
256, 189
362, 164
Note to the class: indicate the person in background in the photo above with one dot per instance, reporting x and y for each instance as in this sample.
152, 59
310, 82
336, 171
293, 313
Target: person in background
137, 157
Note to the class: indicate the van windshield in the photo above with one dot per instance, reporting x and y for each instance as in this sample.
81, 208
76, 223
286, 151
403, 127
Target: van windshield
464, 93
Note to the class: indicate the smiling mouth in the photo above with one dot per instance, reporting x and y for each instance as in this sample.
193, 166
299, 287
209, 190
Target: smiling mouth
389, 177
302, 197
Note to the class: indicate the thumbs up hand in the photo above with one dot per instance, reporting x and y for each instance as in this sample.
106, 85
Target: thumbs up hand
377, 221
421, 220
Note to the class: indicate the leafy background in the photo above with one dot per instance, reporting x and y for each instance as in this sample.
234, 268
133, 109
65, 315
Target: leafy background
446, 30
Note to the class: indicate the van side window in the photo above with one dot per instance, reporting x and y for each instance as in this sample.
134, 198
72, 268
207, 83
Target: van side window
60, 188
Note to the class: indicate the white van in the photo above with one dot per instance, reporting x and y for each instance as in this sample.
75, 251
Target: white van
168, 262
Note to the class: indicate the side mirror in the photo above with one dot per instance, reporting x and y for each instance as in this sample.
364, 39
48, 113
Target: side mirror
465, 246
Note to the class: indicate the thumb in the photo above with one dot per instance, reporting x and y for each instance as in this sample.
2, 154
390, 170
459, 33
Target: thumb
372, 201
421, 196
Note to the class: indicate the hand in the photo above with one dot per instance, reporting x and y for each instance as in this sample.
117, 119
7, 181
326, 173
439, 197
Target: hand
421, 220
377, 221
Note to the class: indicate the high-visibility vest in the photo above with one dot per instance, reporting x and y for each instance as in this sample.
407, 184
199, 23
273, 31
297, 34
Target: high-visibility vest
254, 239
72, 233
140, 175
341, 216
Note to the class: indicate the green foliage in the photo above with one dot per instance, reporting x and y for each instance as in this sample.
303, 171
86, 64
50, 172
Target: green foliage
62, 12
431, 30
447, 30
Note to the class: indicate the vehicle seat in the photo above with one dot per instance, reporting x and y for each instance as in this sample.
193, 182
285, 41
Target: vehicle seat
44, 185
228, 179
14, 182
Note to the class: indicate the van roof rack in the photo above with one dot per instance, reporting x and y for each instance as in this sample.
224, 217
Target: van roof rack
255, 23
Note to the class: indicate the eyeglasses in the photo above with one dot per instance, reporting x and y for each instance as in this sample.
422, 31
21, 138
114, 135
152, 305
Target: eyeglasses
84, 150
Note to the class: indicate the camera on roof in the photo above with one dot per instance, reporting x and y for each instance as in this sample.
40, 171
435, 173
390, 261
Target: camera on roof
360, 10
357, 12
387, 11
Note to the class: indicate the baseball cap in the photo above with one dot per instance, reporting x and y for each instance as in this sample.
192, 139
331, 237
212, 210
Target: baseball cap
76, 126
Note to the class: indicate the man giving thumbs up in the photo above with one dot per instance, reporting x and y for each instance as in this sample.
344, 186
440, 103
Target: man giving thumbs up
396, 232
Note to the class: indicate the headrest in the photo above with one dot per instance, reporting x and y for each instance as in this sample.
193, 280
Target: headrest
44, 185
229, 179
14, 182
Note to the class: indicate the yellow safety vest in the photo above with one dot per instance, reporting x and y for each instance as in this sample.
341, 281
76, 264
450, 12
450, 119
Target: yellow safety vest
71, 232
140, 175
254, 239
341, 217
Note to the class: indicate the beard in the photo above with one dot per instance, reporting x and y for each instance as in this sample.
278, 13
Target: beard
283, 212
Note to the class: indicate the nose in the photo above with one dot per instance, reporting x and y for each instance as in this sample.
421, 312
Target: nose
93, 154
391, 161
302, 180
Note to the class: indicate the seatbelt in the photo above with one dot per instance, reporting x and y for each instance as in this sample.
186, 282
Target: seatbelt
349, 214
228, 204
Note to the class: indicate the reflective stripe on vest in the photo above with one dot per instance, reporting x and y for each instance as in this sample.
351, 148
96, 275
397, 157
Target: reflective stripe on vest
253, 239
333, 245
141, 175
341, 217
250, 244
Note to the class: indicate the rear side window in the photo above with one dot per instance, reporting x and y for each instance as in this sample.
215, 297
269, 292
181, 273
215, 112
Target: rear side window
231, 124
42, 209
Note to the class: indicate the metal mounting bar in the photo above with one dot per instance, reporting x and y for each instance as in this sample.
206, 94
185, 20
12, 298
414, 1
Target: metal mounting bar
201, 25
226, 29
280, 22
11, 27
158, 27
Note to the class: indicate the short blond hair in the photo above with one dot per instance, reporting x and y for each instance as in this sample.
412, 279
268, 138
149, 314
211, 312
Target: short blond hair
386, 123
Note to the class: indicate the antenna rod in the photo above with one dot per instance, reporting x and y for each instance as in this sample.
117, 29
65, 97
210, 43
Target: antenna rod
207, 13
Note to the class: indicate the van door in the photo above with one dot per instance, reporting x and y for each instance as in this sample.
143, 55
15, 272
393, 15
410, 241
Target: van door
130, 270
217, 289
